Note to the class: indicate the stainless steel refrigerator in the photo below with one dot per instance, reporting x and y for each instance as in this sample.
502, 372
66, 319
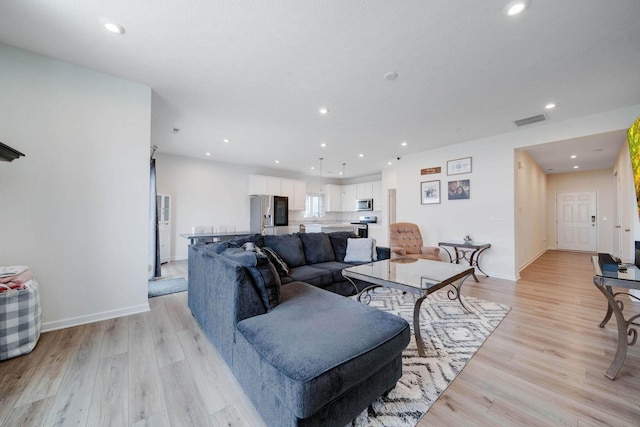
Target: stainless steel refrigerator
269, 214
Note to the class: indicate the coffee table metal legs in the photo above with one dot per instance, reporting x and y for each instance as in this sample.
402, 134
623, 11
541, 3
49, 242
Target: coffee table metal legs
416, 326
627, 334
452, 294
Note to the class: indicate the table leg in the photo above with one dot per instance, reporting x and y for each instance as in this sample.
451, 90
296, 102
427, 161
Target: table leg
471, 264
607, 316
416, 326
621, 352
353, 284
448, 253
457, 293
476, 262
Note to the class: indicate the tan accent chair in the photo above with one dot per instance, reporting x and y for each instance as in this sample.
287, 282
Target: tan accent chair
405, 240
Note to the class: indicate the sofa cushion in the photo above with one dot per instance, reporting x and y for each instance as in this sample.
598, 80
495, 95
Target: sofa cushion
359, 250
339, 243
317, 247
288, 246
308, 370
312, 275
335, 268
281, 267
262, 272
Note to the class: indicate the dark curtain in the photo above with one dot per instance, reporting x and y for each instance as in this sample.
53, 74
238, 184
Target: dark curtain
154, 218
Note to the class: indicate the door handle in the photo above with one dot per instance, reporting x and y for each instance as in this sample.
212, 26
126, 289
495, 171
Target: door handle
617, 226
627, 229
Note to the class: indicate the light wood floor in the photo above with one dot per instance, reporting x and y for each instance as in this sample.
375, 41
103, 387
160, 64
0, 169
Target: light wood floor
544, 365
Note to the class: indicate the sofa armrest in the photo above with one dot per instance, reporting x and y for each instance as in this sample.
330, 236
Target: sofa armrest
383, 253
430, 250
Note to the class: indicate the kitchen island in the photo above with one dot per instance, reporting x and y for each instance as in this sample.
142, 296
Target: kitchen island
327, 227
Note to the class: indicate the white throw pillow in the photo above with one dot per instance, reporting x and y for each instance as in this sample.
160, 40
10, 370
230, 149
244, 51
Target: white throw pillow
359, 250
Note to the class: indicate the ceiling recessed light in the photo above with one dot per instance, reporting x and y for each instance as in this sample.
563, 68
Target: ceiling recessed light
515, 7
576, 167
323, 145
550, 106
313, 167
324, 110
114, 28
226, 140
389, 163
404, 144
573, 156
392, 75
277, 161
360, 155
208, 154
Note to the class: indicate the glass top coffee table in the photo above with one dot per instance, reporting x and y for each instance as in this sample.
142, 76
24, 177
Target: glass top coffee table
418, 276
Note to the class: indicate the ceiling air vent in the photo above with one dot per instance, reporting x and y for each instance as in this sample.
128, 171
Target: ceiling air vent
531, 120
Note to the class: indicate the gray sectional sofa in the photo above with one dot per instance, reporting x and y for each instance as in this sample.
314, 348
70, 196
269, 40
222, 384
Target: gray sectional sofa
304, 355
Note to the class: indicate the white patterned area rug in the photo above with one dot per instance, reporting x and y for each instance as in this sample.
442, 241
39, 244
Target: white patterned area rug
451, 336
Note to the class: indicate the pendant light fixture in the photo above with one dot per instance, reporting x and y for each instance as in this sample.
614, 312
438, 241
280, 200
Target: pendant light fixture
321, 177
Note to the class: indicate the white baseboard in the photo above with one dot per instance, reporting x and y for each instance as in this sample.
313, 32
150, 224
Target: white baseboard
96, 317
535, 257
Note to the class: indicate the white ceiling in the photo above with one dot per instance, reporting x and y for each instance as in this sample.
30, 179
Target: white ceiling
256, 72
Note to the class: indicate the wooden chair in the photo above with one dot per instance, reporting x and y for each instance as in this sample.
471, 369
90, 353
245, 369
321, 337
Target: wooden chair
405, 240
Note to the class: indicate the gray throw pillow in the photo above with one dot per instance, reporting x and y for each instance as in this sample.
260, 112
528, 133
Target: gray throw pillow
317, 247
288, 246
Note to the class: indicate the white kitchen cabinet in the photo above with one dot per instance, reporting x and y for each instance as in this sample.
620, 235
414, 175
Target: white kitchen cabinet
287, 189
378, 233
294, 189
377, 195
273, 186
348, 200
364, 190
163, 204
300, 195
258, 185
332, 198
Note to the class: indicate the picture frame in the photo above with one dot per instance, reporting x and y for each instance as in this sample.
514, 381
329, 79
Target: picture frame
459, 166
430, 192
459, 190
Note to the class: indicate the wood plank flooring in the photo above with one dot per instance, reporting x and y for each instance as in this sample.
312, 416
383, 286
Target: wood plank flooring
544, 365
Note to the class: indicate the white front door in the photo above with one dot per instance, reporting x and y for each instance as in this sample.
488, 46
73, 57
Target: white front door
577, 224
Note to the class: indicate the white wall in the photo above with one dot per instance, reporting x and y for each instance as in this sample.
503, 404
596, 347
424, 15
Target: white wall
203, 192
600, 181
530, 209
490, 213
75, 209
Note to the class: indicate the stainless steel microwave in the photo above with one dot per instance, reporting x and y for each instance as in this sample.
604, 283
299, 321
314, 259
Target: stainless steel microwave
364, 205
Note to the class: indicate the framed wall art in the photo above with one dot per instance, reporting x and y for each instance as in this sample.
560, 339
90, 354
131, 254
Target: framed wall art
430, 192
459, 190
458, 166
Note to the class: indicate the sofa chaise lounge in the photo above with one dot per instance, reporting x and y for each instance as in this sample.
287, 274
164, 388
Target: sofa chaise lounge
304, 355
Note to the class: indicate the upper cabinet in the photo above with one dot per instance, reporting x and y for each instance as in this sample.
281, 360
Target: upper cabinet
294, 189
377, 195
364, 190
332, 198
258, 185
349, 198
